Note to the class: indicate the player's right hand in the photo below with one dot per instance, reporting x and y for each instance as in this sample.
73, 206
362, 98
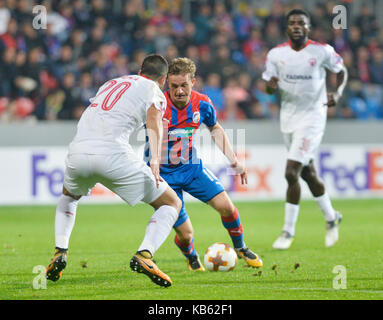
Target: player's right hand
155, 167
332, 99
240, 169
273, 83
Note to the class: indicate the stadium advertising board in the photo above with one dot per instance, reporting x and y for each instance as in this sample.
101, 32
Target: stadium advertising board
34, 175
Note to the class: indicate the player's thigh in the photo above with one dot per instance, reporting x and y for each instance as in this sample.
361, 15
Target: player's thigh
287, 139
130, 178
204, 186
309, 172
305, 143
78, 177
169, 198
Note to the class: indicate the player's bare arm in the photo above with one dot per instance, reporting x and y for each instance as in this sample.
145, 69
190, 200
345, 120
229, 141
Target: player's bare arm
333, 97
155, 131
220, 138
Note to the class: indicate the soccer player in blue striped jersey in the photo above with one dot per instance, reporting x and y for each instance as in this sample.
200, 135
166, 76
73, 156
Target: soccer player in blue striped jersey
182, 169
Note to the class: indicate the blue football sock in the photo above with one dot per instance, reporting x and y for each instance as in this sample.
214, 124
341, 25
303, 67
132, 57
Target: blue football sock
186, 249
234, 227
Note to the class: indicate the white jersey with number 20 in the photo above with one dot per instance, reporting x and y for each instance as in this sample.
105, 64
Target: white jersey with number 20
119, 108
302, 82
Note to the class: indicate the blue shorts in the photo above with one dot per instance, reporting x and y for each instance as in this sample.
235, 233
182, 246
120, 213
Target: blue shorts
196, 180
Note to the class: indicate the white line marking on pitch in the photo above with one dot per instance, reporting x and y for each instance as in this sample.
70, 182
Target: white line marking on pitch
323, 289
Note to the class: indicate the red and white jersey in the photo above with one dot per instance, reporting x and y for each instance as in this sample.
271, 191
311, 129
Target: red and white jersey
302, 82
119, 107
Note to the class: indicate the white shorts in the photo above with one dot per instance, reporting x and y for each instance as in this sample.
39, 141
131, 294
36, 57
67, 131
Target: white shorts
123, 173
302, 144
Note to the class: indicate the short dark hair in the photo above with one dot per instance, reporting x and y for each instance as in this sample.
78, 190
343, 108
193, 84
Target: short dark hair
182, 66
154, 66
297, 11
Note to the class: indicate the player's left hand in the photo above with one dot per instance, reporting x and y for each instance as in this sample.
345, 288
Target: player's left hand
240, 169
155, 167
332, 99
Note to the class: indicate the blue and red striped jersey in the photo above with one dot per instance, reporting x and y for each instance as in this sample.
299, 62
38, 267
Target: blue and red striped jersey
180, 126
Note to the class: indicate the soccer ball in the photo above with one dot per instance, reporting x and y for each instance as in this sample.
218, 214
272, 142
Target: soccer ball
220, 257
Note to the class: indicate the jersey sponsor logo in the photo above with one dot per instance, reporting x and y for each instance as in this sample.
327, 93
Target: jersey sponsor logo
181, 132
294, 78
298, 77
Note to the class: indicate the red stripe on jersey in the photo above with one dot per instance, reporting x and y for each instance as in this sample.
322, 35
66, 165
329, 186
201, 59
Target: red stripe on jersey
178, 145
307, 43
195, 103
284, 44
182, 116
201, 96
141, 75
316, 43
168, 113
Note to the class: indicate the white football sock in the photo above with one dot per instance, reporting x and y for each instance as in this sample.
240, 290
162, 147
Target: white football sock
291, 217
65, 218
158, 229
325, 205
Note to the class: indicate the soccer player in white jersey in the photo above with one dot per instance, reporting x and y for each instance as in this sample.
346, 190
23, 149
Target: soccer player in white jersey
298, 68
101, 153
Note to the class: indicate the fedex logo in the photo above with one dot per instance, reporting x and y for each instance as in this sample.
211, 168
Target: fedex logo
259, 180
346, 175
259, 177
44, 178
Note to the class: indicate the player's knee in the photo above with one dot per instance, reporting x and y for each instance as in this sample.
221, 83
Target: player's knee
176, 203
291, 175
227, 210
169, 198
308, 175
185, 236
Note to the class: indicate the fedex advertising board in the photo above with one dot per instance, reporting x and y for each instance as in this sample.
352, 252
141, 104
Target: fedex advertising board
34, 175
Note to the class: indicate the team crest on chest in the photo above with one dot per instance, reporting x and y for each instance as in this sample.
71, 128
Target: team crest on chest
312, 61
196, 117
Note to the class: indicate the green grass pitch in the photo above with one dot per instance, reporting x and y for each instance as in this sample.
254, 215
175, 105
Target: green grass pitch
106, 236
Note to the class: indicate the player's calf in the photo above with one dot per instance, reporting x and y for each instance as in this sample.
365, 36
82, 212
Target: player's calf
234, 227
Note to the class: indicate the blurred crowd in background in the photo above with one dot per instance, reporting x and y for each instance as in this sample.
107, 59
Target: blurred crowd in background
51, 73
